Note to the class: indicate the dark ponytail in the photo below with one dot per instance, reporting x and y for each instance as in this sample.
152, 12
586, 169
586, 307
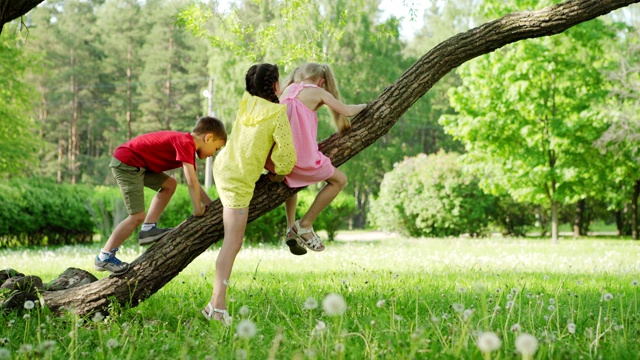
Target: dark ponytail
260, 80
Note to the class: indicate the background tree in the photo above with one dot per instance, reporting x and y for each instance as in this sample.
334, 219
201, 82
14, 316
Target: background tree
525, 116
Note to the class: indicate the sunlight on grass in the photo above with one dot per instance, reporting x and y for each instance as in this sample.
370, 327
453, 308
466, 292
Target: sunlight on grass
394, 298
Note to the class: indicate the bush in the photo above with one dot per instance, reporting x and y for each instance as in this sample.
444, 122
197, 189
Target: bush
431, 196
41, 212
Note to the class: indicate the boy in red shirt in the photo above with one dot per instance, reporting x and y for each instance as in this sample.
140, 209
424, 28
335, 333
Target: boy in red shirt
141, 163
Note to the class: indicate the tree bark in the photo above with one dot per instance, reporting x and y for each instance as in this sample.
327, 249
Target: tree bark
12, 9
578, 220
165, 259
634, 210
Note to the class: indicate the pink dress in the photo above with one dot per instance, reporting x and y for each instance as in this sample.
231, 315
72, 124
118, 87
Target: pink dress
312, 165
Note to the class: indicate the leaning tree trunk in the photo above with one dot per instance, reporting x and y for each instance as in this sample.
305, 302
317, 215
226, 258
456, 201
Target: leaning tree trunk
12, 9
165, 259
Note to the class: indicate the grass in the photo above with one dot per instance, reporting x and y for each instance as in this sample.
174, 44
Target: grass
405, 299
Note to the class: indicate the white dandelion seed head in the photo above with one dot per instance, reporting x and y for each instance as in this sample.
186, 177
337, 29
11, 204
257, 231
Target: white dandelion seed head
579, 282
398, 317
244, 311
5, 354
509, 304
530, 296
25, 349
435, 319
227, 320
546, 277
29, 304
334, 304
514, 291
516, 328
457, 307
467, 314
552, 301
26, 316
339, 348
509, 296
607, 297
617, 327
319, 328
48, 345
461, 290
97, 317
445, 316
310, 304
380, 303
571, 328
241, 354
112, 343
526, 344
246, 329
373, 322
488, 342
497, 308
551, 308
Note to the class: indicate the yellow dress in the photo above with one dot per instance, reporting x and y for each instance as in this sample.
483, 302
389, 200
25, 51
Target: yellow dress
261, 127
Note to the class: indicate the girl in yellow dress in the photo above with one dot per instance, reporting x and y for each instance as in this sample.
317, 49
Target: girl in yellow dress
261, 127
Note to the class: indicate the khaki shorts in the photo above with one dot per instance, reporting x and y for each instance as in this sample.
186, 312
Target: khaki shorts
132, 181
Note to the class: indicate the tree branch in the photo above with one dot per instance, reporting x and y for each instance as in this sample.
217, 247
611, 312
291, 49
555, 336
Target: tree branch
13, 9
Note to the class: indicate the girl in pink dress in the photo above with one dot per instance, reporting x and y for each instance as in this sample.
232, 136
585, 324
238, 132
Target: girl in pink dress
308, 88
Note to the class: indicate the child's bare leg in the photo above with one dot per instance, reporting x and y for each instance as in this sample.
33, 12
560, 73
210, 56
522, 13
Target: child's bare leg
290, 209
123, 230
160, 200
335, 184
235, 223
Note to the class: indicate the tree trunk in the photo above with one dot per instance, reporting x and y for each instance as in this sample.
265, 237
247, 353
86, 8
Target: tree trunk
554, 222
634, 210
165, 259
578, 221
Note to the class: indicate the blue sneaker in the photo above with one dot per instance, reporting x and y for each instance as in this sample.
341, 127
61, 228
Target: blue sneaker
146, 237
111, 264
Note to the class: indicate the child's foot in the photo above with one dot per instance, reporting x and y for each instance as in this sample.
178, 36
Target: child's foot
293, 241
146, 237
308, 237
221, 315
111, 264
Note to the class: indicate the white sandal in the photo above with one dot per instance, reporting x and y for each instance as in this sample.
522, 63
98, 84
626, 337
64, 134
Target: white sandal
315, 243
208, 312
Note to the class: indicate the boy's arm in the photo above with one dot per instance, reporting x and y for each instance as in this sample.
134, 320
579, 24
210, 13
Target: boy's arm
194, 188
204, 197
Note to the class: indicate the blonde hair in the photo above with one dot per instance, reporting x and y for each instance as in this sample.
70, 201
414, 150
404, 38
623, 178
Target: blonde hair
314, 72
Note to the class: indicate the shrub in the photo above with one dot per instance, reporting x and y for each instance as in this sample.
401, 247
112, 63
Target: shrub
431, 196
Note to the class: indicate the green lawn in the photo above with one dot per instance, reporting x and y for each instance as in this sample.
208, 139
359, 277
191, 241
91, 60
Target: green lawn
405, 299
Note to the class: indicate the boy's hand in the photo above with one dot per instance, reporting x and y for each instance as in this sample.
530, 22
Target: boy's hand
199, 212
275, 178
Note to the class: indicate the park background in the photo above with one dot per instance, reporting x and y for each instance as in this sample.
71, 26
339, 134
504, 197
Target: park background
536, 137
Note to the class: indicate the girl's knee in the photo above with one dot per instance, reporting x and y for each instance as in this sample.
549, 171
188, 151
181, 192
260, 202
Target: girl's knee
339, 179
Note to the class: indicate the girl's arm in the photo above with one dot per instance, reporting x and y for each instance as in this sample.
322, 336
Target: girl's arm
338, 106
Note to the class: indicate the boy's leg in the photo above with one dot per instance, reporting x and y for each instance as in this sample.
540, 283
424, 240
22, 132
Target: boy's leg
167, 187
235, 223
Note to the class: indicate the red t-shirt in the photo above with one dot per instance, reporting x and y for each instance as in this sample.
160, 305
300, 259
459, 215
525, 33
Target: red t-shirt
158, 151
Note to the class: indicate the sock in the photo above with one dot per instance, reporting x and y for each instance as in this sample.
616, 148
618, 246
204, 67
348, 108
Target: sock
148, 226
103, 255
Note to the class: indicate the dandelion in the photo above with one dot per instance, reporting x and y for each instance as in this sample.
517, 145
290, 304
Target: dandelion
97, 317
571, 328
25, 349
516, 328
334, 304
467, 314
509, 304
509, 296
246, 329
112, 344
26, 316
319, 328
607, 297
244, 310
5, 354
552, 301
48, 345
488, 342
445, 316
241, 354
551, 308
497, 308
339, 348
398, 317
380, 303
435, 319
527, 345
457, 307
310, 304
546, 277
634, 282
29, 304
4, 341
